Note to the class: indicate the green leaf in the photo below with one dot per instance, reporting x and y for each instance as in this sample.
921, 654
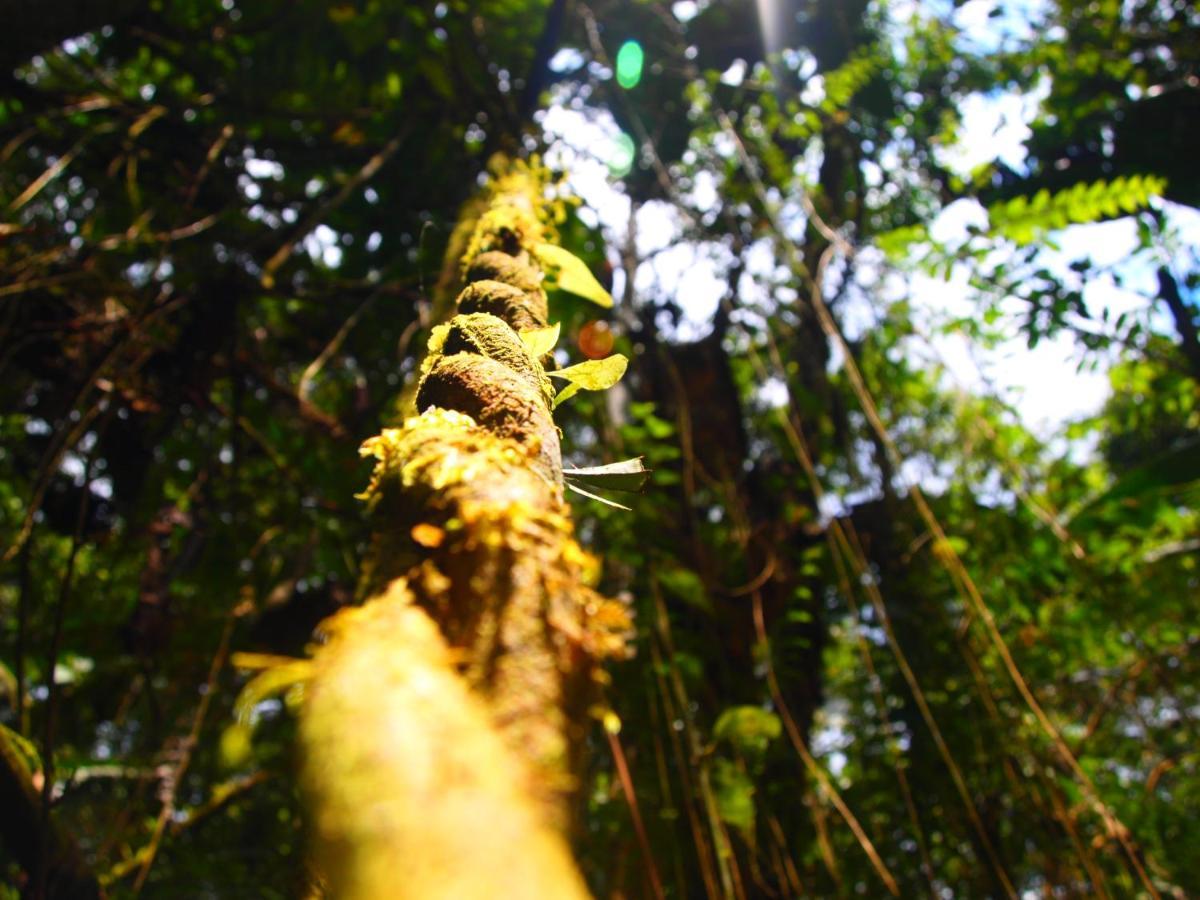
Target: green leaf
540, 341
595, 374
1157, 477
1024, 220
685, 585
8, 683
565, 394
629, 475
280, 677
734, 795
236, 745
20, 753
748, 728
577, 489
571, 274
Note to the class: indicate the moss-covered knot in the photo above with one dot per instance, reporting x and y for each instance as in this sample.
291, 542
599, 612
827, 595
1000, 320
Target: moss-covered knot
487, 335
523, 310
511, 270
503, 401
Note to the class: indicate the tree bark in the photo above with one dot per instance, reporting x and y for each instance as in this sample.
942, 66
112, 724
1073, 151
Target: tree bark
444, 720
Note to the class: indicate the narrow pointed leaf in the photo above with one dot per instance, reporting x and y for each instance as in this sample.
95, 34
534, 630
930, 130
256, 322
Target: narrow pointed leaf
577, 489
565, 394
629, 475
19, 752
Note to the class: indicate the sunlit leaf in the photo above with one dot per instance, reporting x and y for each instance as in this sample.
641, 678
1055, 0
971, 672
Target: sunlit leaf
594, 374
269, 683
629, 475
570, 273
577, 489
540, 341
565, 394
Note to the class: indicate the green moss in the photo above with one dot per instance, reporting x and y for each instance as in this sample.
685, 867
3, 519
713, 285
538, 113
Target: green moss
510, 270
523, 310
416, 793
499, 399
433, 451
505, 228
487, 335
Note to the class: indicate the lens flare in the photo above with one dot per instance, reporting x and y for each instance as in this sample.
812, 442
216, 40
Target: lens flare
629, 64
620, 160
595, 340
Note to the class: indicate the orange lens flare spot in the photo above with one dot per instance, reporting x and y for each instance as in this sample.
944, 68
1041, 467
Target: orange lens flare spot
596, 340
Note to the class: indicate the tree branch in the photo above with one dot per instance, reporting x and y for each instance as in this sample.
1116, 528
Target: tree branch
1185, 320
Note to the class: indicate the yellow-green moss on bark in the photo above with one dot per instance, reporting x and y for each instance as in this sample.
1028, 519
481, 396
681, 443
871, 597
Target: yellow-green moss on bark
523, 310
446, 718
487, 335
412, 790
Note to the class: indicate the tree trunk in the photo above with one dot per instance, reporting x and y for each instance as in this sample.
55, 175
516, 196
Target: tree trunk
444, 720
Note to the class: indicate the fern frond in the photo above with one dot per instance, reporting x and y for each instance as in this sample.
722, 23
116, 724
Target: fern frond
1024, 219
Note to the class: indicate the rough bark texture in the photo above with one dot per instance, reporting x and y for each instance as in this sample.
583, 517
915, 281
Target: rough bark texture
444, 720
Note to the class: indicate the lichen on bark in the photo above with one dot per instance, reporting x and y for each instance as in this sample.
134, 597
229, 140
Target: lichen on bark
477, 650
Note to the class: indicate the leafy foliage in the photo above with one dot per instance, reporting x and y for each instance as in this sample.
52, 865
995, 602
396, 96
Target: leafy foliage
1024, 219
221, 243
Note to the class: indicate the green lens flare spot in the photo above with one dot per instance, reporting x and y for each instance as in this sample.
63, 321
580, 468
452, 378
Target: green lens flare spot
629, 64
620, 160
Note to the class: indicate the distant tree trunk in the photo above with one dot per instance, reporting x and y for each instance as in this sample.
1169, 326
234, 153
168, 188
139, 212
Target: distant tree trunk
444, 720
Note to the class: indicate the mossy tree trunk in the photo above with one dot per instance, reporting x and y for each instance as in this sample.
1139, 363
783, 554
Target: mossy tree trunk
444, 719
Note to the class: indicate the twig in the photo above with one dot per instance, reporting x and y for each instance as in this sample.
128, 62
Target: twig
810, 763
373, 165
60, 614
614, 743
171, 783
313, 368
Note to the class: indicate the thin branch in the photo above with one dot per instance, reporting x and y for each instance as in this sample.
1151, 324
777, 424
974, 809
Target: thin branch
314, 368
614, 743
1185, 321
171, 784
318, 215
54, 697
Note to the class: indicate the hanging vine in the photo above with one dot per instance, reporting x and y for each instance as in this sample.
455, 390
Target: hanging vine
444, 718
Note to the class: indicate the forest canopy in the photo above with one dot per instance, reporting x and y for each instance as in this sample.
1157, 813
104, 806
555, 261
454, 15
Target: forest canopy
908, 295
